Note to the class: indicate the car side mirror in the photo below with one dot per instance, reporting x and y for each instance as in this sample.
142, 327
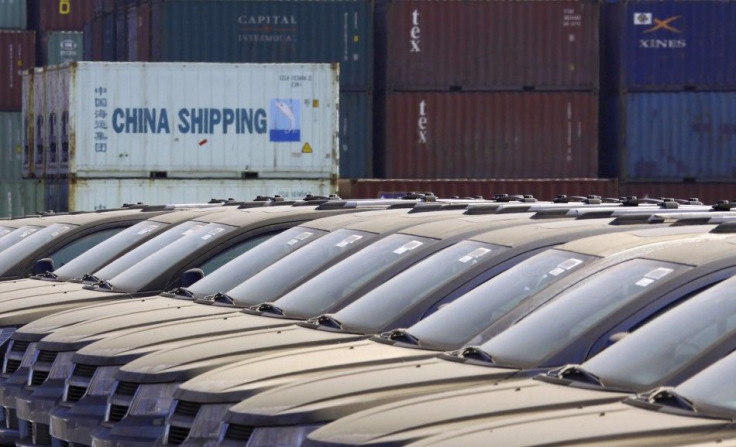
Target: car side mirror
43, 265
191, 276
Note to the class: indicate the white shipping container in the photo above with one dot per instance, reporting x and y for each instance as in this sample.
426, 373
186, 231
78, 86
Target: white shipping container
194, 120
28, 125
39, 127
82, 194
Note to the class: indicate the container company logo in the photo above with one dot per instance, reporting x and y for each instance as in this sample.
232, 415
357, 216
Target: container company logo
285, 120
275, 28
415, 33
68, 47
422, 122
664, 32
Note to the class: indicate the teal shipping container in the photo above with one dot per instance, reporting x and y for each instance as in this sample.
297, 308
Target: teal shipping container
11, 150
59, 47
13, 14
356, 135
21, 197
333, 31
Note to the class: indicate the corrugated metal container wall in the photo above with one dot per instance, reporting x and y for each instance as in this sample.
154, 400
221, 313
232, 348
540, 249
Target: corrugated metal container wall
200, 120
542, 189
674, 44
17, 53
39, 126
27, 134
708, 193
53, 109
104, 6
93, 51
56, 194
87, 194
142, 17
672, 136
107, 52
13, 14
11, 150
21, 197
121, 33
356, 135
491, 45
269, 31
132, 40
61, 15
491, 135
59, 47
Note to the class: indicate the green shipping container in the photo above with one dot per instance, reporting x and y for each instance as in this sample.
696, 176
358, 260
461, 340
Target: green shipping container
60, 47
11, 151
21, 197
13, 14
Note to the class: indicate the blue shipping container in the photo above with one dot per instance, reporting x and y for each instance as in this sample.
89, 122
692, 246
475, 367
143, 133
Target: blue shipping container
668, 45
356, 135
333, 31
670, 136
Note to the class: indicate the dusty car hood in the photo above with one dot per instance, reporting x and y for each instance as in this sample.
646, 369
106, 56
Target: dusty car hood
22, 310
186, 361
213, 321
613, 424
27, 283
327, 396
236, 382
412, 419
122, 317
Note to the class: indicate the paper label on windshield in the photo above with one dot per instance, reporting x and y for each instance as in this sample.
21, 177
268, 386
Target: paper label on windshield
408, 247
564, 266
148, 229
475, 254
61, 230
192, 230
27, 233
349, 240
644, 282
214, 232
299, 237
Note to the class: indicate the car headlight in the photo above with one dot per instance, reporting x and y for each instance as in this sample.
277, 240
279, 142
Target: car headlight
287, 436
153, 400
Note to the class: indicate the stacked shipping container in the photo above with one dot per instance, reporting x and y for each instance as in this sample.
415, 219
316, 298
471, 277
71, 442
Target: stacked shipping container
492, 89
669, 102
17, 196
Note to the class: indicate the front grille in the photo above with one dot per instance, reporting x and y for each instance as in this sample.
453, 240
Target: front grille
177, 435
47, 356
63, 443
238, 432
126, 388
117, 412
12, 366
41, 434
19, 346
39, 377
12, 421
74, 393
84, 370
185, 408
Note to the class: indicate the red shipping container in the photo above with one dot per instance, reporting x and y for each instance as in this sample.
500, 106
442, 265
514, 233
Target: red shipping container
505, 135
490, 45
62, 15
17, 53
139, 33
541, 189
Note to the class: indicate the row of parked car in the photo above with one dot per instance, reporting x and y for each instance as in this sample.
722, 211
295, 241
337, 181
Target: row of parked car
418, 321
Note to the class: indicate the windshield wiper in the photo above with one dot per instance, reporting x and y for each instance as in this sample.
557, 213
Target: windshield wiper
475, 353
326, 320
219, 297
401, 335
575, 373
47, 275
667, 396
267, 308
181, 291
88, 277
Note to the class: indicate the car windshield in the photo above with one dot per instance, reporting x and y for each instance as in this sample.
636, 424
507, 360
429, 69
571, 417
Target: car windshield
713, 388
109, 249
150, 247
325, 291
465, 318
272, 282
17, 235
556, 324
138, 276
665, 345
383, 304
5, 230
10, 256
255, 260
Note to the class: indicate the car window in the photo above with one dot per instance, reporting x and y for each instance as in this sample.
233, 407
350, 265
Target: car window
11, 255
17, 235
81, 245
233, 252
